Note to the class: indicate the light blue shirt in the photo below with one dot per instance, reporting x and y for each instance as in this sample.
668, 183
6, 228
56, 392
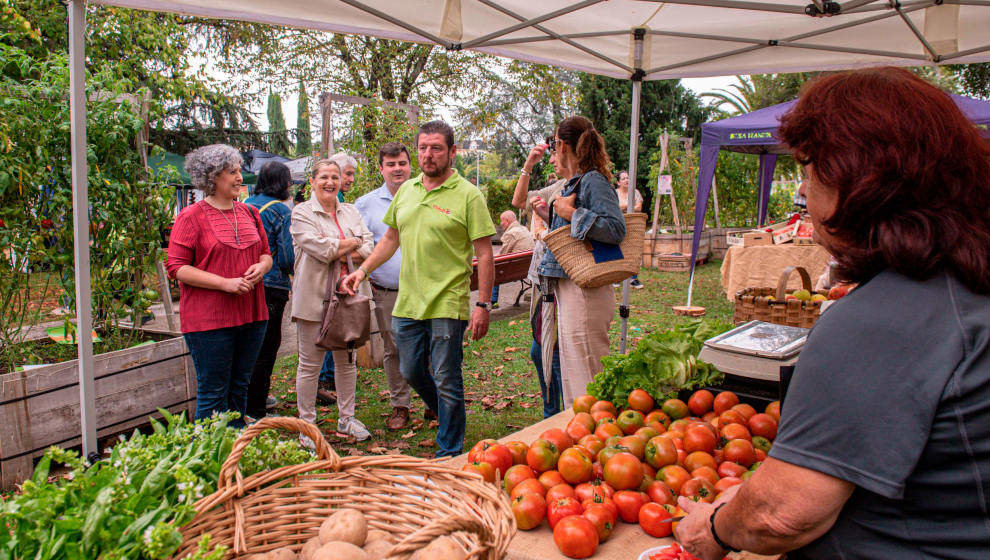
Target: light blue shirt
372, 207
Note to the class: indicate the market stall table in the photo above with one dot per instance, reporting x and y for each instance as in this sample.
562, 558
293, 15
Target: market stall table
760, 266
626, 542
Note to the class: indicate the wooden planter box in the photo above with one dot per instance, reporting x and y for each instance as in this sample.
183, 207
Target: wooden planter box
40, 407
720, 245
657, 249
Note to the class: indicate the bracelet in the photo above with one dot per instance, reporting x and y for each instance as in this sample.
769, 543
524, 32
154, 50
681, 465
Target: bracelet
524, 172
364, 270
718, 541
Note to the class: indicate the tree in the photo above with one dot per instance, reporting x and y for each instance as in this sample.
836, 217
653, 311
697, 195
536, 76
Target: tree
974, 79
665, 106
304, 141
759, 90
279, 136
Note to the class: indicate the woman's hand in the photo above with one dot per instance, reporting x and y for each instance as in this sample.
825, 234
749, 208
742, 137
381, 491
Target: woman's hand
541, 208
564, 206
347, 246
254, 273
694, 532
534, 157
236, 285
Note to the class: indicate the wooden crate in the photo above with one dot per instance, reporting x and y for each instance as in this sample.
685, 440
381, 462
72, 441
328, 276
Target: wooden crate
655, 247
40, 407
720, 245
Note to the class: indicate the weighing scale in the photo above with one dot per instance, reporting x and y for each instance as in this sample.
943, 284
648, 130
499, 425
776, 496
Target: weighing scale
752, 355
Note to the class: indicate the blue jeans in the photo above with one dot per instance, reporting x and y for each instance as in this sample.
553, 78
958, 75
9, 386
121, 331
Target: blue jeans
436, 341
326, 372
552, 400
224, 359
495, 293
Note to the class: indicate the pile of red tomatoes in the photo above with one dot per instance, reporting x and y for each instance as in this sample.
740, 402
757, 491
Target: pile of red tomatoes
629, 464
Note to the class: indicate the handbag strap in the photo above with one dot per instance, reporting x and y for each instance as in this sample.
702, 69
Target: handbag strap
333, 277
577, 199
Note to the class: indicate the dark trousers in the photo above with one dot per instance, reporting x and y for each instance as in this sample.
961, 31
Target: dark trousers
553, 396
224, 359
261, 377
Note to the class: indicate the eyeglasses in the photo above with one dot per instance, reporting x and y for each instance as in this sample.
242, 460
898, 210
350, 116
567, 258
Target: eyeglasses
553, 145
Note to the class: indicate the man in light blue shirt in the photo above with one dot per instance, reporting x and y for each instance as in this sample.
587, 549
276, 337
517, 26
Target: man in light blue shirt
393, 163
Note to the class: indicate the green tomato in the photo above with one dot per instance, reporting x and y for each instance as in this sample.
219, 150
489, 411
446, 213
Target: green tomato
149, 294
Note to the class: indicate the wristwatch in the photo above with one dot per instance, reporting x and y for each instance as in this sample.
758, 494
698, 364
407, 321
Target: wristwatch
484, 305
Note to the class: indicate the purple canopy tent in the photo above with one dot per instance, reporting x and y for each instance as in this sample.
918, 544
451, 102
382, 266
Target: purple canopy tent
756, 133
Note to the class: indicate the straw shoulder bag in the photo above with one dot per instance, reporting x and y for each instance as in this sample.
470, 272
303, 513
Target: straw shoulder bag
415, 500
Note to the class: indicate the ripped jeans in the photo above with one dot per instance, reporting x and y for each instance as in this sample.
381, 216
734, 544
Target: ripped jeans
430, 357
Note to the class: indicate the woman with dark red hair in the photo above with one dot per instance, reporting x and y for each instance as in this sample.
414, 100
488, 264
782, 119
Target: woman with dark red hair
883, 449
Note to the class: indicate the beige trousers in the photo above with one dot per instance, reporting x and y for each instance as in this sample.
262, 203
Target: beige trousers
398, 389
583, 319
308, 373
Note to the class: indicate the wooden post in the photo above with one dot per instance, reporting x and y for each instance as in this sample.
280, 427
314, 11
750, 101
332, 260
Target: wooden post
326, 110
664, 140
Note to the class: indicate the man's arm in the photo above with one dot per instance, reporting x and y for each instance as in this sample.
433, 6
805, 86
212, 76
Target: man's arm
383, 251
486, 279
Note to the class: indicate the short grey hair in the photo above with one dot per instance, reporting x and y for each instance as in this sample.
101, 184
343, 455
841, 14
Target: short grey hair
205, 163
343, 159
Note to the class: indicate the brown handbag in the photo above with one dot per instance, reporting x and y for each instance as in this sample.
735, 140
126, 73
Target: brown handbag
346, 318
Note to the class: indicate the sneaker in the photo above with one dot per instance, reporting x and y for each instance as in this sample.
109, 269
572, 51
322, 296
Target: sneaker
636, 284
353, 427
398, 419
271, 402
325, 396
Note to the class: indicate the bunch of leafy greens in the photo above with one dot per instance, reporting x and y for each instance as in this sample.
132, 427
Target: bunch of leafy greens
132, 504
661, 364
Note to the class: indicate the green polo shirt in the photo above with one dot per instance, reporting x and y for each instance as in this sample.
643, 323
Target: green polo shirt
436, 231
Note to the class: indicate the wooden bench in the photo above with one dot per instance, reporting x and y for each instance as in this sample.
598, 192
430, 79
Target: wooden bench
508, 268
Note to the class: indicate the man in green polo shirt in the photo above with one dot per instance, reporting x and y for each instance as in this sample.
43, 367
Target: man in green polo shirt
439, 218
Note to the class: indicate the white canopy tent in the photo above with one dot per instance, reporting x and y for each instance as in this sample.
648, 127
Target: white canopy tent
633, 39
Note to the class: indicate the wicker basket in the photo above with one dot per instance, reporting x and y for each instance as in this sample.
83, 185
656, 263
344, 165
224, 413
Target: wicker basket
768, 304
416, 500
574, 255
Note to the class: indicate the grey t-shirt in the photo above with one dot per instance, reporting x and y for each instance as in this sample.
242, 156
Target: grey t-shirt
892, 393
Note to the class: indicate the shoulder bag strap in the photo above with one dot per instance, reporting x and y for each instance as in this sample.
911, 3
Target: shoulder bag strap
267, 206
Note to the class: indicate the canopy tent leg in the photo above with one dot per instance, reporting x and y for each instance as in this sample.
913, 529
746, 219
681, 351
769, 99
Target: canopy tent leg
706, 176
637, 88
768, 163
80, 224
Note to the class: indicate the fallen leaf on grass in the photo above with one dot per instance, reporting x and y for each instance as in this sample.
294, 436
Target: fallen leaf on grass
426, 443
434, 424
511, 323
379, 432
476, 353
526, 405
408, 434
511, 349
502, 405
378, 450
400, 445
499, 370
488, 401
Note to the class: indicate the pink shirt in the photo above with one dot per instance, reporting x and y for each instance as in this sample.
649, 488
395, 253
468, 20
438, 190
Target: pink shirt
203, 237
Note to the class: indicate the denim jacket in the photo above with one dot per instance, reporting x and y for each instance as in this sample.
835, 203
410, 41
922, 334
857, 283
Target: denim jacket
276, 219
597, 217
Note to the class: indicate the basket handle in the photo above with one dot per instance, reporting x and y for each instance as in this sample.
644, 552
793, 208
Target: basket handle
782, 283
231, 470
440, 528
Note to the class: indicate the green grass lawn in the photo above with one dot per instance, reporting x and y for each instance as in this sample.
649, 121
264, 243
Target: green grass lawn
501, 389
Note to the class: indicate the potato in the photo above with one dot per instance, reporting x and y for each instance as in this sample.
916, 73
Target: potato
444, 548
308, 549
284, 553
379, 535
339, 550
377, 549
347, 525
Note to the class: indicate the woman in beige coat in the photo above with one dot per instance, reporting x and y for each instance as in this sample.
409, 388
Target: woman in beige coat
323, 231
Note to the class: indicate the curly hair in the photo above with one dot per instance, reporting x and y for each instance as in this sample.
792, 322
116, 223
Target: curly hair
205, 163
910, 171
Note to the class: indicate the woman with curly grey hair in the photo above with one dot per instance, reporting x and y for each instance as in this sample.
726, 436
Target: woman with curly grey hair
219, 253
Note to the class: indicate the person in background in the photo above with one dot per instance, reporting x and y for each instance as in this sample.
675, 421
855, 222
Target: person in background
440, 219
622, 190
218, 251
902, 361
523, 198
271, 193
348, 172
583, 314
324, 230
394, 165
515, 239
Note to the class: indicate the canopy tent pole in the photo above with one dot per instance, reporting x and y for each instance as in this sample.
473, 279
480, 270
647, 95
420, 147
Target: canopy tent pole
768, 163
706, 175
80, 223
637, 86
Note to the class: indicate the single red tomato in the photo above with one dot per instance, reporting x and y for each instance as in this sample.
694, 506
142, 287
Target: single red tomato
708, 416
551, 478
763, 425
558, 437
585, 420
629, 421
481, 468
706, 473
652, 519
515, 475
699, 459
658, 417
773, 409
746, 410
600, 415
724, 401
576, 430
583, 403
726, 483
529, 510
760, 455
607, 503
542, 455
559, 509
699, 490
602, 518
675, 408
576, 537
528, 486
674, 477
700, 438
735, 431
634, 444
660, 493
574, 466
607, 430
701, 402
592, 443
640, 400
603, 406
499, 456
561, 491
648, 432
623, 472
740, 451
731, 416
629, 503
595, 488
477, 448
730, 469
660, 451
518, 450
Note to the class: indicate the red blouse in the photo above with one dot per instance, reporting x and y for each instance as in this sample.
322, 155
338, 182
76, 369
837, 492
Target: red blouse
203, 237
